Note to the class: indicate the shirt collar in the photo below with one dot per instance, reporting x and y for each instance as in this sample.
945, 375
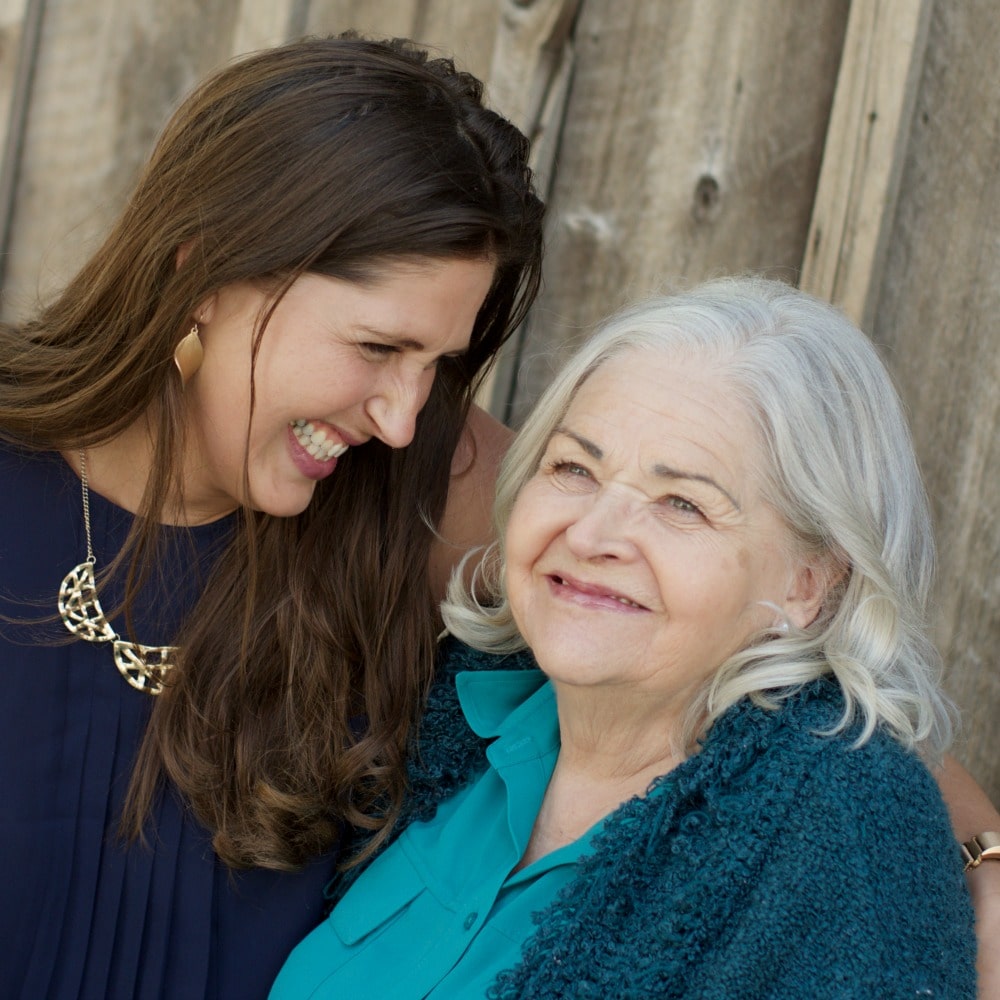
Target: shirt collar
491, 699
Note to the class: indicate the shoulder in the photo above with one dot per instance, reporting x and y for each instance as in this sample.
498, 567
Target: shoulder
788, 759
16, 460
854, 842
38, 487
468, 518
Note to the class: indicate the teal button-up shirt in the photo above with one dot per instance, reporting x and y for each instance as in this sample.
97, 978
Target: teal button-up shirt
441, 912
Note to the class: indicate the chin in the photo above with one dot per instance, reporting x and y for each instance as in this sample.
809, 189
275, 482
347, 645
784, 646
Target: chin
290, 506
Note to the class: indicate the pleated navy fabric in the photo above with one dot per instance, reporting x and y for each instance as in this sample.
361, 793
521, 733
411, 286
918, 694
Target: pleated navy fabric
84, 915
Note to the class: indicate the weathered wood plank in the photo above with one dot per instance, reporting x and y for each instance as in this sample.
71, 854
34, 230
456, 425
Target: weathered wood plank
529, 83
104, 84
692, 145
260, 25
528, 56
20, 24
937, 319
865, 146
463, 30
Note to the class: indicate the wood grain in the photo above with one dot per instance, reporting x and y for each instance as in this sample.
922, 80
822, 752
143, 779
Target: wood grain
104, 85
532, 66
863, 155
937, 321
464, 31
20, 25
692, 145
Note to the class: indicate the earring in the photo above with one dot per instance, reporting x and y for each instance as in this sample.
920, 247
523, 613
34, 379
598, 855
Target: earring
188, 355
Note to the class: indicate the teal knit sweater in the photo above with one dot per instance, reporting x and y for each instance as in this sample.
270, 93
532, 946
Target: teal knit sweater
774, 863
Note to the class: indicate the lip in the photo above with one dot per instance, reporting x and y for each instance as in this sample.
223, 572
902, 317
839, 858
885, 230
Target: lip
591, 595
348, 439
311, 468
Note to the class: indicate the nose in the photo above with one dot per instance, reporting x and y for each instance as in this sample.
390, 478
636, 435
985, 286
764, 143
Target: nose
393, 408
602, 530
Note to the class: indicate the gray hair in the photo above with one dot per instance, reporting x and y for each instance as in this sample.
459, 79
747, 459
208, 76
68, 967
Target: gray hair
840, 470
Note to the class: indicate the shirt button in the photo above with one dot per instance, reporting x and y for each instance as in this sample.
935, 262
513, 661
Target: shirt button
470, 920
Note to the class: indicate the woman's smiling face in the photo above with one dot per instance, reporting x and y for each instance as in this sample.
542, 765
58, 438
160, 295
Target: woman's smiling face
340, 362
642, 552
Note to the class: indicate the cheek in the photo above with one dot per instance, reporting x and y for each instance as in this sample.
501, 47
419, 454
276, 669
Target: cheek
696, 579
520, 550
521, 537
426, 385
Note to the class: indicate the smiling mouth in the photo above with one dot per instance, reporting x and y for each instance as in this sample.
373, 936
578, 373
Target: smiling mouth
598, 592
316, 441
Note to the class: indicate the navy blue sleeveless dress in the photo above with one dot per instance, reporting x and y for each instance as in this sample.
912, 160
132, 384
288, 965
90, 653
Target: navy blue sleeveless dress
81, 914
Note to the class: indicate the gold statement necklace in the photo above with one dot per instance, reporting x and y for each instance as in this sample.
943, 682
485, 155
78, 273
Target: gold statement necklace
144, 667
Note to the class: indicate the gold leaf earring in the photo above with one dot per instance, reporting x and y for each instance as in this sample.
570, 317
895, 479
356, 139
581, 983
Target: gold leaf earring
188, 355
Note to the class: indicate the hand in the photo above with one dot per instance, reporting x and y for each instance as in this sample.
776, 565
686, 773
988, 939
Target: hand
984, 885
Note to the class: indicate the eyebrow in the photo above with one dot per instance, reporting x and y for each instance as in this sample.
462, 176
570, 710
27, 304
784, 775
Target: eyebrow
660, 470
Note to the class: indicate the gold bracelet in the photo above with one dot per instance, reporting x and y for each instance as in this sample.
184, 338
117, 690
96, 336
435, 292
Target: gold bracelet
982, 847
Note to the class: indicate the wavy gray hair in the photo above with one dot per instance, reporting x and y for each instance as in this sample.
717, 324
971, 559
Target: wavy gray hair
841, 471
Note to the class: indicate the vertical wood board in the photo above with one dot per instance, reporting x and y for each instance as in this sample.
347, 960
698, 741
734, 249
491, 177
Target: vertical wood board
532, 66
261, 25
20, 23
464, 31
107, 77
691, 147
862, 160
937, 321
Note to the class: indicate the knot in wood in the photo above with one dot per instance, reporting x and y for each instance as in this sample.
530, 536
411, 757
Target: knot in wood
707, 196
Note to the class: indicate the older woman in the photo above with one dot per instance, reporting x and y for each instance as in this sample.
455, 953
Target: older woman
716, 546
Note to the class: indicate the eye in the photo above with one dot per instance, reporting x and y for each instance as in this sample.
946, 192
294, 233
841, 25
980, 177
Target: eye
683, 505
372, 349
568, 473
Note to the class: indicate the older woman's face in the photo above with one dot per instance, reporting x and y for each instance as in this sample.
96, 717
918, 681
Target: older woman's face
641, 550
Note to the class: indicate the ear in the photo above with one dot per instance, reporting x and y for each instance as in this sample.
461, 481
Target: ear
183, 252
810, 584
206, 308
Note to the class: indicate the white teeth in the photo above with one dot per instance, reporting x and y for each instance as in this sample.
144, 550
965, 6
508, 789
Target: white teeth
627, 602
316, 441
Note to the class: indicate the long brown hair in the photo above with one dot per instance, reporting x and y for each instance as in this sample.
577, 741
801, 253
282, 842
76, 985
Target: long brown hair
303, 665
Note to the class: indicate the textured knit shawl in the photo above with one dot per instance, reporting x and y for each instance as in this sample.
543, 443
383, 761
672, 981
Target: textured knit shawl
775, 862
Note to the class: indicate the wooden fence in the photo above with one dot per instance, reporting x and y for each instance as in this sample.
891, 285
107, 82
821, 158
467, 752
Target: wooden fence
850, 147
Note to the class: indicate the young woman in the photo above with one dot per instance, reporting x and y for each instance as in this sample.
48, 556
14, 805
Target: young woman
239, 461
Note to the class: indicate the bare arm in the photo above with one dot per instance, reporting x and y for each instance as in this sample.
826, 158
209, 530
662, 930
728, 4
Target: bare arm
467, 521
971, 813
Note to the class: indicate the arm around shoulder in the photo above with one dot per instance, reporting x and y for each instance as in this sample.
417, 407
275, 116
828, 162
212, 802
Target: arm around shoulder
972, 813
468, 518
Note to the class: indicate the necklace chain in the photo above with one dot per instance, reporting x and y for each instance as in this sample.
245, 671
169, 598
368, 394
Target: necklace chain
85, 489
144, 667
